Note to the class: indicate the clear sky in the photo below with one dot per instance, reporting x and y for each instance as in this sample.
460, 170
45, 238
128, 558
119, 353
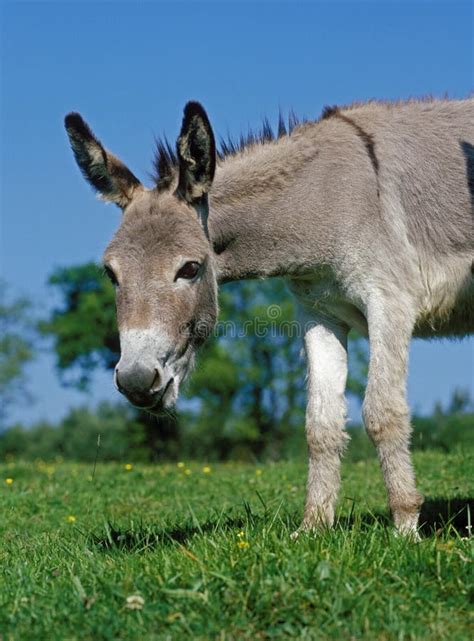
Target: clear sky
129, 68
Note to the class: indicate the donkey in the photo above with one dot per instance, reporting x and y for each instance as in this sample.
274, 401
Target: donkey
368, 215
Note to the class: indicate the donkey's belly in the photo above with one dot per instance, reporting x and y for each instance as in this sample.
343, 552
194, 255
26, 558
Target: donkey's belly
321, 298
456, 320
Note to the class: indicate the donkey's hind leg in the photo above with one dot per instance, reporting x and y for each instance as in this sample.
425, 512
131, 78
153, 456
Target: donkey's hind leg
326, 351
386, 413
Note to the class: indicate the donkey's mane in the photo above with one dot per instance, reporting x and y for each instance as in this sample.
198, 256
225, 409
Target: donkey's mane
166, 160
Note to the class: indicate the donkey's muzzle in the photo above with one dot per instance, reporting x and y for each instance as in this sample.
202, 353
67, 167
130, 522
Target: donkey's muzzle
141, 384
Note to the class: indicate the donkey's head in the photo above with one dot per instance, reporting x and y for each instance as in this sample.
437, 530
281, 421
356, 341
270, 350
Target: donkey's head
160, 259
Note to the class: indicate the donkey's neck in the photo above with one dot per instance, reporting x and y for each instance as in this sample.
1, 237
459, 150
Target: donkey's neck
252, 204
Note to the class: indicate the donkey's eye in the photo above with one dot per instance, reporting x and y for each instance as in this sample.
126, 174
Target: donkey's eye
111, 275
188, 270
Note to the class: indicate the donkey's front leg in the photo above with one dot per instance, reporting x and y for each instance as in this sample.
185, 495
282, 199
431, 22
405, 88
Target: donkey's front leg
326, 351
386, 413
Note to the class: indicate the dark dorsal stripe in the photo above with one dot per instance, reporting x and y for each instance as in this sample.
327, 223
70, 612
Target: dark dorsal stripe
366, 138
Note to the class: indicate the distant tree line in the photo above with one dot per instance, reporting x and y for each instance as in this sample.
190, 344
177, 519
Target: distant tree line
245, 398
125, 437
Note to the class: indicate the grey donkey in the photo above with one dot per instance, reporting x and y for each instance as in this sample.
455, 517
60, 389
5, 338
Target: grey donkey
368, 215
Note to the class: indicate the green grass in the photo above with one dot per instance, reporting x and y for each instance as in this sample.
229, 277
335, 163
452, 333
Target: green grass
211, 555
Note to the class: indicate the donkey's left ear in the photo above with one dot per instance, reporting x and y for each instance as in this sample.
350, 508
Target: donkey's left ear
106, 173
197, 154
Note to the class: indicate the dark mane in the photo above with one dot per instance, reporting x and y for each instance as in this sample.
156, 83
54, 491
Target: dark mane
165, 161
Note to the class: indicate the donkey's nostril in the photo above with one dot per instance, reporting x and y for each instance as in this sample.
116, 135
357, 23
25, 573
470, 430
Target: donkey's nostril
155, 386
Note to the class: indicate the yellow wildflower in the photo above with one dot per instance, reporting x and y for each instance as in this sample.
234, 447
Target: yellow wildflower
258, 472
9, 481
240, 534
180, 465
243, 544
173, 616
187, 471
128, 467
71, 518
206, 469
446, 547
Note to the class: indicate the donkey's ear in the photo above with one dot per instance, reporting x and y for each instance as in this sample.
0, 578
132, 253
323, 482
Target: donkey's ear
106, 173
197, 154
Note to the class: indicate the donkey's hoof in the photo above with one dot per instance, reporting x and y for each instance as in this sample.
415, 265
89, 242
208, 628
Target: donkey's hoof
410, 534
406, 523
307, 527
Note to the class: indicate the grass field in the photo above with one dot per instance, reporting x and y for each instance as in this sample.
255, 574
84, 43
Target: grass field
192, 552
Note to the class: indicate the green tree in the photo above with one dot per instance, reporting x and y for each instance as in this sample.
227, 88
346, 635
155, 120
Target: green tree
249, 380
83, 328
16, 350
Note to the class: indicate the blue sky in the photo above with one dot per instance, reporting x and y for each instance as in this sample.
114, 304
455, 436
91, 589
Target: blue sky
129, 68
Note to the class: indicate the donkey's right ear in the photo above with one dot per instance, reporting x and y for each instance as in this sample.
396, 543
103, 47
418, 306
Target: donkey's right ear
106, 173
196, 149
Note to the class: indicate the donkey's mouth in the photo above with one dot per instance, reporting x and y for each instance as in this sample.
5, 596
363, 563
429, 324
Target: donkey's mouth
160, 402
179, 370
163, 400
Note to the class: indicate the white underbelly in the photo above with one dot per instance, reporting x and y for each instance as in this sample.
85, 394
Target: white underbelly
321, 298
447, 307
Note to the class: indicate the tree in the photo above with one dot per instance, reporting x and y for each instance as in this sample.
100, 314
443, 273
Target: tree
83, 328
250, 379
16, 350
